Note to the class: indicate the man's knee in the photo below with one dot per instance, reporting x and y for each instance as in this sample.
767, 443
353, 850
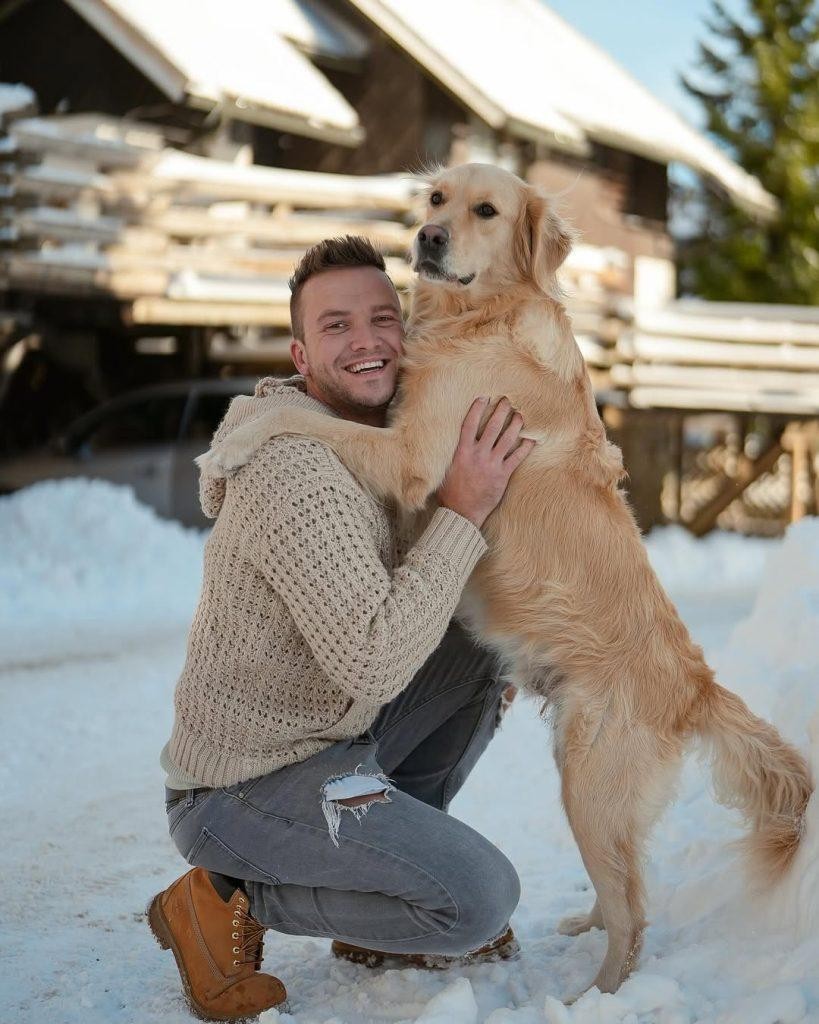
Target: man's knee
486, 903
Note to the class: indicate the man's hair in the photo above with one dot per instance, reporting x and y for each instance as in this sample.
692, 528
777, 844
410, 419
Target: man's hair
331, 254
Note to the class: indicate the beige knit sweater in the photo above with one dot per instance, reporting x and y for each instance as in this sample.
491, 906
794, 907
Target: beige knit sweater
309, 620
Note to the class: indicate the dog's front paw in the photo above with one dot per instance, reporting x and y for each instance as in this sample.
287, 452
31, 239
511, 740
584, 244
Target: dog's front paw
223, 460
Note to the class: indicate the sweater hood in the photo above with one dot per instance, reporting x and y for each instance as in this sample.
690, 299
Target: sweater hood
270, 393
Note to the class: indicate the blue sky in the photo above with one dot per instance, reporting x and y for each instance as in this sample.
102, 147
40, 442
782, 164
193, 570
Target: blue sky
653, 39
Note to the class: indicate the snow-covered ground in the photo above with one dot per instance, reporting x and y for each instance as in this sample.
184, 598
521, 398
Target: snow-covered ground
95, 596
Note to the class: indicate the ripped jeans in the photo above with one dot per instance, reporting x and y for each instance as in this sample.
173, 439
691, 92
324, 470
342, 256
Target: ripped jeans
399, 875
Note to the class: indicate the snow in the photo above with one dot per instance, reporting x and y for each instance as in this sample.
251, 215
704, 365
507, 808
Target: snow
95, 596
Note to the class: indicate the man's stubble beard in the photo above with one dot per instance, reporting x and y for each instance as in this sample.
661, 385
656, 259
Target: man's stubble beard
343, 402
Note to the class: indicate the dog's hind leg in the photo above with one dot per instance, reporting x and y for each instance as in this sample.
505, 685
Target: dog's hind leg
615, 782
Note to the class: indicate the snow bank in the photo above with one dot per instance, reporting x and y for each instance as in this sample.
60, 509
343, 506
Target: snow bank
85, 569
723, 563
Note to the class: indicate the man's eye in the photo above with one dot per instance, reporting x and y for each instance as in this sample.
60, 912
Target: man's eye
436, 198
336, 325
486, 210
386, 319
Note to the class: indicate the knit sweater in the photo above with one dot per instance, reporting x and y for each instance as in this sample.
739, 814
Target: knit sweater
308, 620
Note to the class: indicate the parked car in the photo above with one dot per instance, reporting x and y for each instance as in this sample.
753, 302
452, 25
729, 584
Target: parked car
146, 439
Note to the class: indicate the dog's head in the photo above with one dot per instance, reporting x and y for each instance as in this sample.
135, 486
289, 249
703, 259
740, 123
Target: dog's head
485, 230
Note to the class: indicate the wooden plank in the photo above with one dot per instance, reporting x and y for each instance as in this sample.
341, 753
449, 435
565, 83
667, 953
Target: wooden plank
209, 314
744, 310
770, 381
749, 471
715, 400
747, 330
63, 277
179, 222
593, 352
691, 351
196, 176
50, 182
94, 139
799, 447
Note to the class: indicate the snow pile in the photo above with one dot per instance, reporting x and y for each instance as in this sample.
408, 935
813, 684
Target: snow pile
85, 569
724, 562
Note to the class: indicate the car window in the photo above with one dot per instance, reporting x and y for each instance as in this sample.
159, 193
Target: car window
150, 421
207, 413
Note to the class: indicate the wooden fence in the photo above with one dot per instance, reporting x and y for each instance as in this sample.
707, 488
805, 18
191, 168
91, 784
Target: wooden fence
759, 362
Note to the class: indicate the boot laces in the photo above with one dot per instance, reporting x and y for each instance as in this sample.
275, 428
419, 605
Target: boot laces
248, 935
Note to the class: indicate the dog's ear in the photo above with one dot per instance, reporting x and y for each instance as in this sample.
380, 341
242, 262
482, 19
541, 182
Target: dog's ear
542, 239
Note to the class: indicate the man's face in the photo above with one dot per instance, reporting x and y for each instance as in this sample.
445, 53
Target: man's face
353, 338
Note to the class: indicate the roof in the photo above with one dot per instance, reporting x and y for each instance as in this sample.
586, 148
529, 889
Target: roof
522, 68
232, 55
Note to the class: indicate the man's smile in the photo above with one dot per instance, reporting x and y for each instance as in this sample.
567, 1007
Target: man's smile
367, 367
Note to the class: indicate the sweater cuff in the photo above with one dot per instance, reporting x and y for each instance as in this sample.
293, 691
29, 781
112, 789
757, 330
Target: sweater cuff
456, 538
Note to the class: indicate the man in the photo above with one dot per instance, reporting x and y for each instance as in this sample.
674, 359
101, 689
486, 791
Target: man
328, 709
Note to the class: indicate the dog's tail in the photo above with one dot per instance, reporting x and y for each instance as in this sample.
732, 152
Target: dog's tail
756, 771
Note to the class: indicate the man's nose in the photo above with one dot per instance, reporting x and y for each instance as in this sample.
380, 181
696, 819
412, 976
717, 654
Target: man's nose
433, 239
365, 336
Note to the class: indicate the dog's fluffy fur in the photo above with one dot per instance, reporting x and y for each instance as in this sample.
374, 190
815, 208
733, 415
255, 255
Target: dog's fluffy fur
565, 592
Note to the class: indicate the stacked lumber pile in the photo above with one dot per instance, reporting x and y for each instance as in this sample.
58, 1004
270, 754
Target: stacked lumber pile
16, 101
723, 356
598, 290
100, 208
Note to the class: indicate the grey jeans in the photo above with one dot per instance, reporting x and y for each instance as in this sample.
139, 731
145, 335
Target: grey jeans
405, 877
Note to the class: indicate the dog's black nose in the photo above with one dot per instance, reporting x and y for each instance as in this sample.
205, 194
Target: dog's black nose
433, 238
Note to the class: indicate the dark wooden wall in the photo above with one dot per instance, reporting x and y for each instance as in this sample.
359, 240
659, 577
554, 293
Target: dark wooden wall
615, 198
70, 67
407, 118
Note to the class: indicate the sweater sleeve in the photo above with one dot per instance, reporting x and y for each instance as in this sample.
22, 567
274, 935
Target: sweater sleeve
370, 630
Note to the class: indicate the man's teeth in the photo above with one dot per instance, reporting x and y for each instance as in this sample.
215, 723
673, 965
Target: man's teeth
373, 364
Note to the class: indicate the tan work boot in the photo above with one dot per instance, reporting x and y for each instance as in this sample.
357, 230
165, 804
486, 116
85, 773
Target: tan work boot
218, 949
504, 947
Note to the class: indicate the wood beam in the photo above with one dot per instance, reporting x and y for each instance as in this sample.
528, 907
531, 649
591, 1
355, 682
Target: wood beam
749, 470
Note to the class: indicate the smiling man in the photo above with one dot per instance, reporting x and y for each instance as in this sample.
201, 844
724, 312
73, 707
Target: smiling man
329, 709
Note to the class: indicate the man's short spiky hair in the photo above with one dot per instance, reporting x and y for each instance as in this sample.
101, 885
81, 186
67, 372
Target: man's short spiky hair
331, 254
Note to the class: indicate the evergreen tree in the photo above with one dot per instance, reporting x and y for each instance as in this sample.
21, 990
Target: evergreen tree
758, 82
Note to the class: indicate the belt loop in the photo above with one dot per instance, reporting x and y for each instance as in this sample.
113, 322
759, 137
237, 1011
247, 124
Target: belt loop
190, 795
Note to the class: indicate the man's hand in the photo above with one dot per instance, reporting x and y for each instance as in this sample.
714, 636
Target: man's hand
482, 465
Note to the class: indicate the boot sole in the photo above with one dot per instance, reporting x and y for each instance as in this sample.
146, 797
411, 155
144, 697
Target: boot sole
371, 958
164, 936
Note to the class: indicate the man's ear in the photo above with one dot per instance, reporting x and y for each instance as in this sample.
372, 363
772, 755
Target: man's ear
298, 353
542, 239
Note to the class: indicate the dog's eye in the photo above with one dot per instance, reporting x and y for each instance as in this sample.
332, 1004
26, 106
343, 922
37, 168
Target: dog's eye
486, 210
436, 198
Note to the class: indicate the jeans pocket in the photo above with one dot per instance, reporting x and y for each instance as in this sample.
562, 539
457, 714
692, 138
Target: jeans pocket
177, 812
213, 854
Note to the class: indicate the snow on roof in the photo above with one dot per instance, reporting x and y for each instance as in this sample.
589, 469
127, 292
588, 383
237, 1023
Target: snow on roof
232, 54
521, 67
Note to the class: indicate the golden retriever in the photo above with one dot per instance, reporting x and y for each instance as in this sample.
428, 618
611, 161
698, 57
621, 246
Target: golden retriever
565, 591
